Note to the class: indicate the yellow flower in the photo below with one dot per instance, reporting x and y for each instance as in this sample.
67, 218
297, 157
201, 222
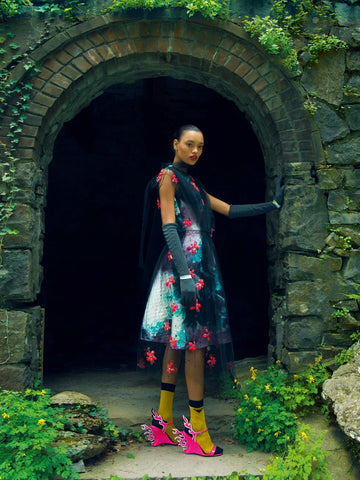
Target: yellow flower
276, 434
246, 396
260, 430
304, 436
267, 388
116, 432
258, 407
288, 438
296, 377
278, 362
311, 379
314, 459
43, 392
255, 399
28, 391
247, 420
41, 421
239, 410
5, 416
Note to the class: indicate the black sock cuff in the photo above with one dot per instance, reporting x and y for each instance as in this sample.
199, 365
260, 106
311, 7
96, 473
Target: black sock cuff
196, 403
169, 387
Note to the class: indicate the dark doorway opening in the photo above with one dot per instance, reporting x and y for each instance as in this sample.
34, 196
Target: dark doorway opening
102, 161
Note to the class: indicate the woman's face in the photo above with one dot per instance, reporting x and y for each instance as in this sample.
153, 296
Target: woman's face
188, 147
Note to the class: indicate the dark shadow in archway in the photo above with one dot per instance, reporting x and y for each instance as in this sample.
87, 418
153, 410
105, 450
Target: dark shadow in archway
102, 161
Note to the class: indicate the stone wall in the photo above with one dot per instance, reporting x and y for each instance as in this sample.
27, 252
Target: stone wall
312, 267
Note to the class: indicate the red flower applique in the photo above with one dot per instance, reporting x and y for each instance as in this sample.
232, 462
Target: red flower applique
159, 177
194, 185
211, 361
192, 346
173, 342
192, 273
206, 334
167, 326
200, 284
170, 281
173, 307
171, 368
196, 307
174, 178
187, 222
194, 247
141, 363
150, 357
202, 201
169, 256
158, 204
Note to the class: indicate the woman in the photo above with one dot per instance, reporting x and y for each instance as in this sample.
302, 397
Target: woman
186, 308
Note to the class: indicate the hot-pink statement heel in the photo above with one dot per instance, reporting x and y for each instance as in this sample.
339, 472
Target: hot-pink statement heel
156, 433
187, 440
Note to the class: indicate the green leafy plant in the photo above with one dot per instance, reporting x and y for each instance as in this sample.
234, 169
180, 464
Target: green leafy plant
11, 8
344, 356
305, 459
322, 43
207, 8
28, 426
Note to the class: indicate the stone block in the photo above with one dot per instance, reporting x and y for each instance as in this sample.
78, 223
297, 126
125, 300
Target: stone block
330, 178
296, 172
304, 331
18, 277
16, 337
353, 60
303, 218
352, 89
298, 361
25, 221
352, 116
345, 152
325, 79
337, 340
352, 177
332, 126
353, 232
15, 377
347, 15
301, 267
306, 298
352, 267
337, 218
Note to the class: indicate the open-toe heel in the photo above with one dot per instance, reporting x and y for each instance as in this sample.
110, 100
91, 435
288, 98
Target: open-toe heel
187, 440
155, 433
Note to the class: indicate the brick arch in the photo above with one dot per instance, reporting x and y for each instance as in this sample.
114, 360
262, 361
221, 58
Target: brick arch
78, 64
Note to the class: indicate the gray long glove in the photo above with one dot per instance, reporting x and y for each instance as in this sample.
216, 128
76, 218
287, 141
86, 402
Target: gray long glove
187, 284
237, 211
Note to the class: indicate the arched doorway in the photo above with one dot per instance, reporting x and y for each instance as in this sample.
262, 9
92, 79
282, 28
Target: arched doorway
103, 158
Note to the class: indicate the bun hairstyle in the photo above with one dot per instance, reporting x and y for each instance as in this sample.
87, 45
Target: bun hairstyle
179, 132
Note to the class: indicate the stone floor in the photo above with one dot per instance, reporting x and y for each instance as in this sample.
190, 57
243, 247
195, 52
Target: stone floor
128, 398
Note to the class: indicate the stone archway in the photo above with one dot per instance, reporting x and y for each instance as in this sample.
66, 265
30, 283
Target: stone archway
79, 63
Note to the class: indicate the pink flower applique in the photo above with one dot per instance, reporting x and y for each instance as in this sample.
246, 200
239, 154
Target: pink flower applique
192, 346
167, 326
170, 281
200, 284
196, 307
202, 201
150, 357
192, 273
173, 342
174, 178
206, 334
158, 204
171, 368
169, 256
193, 248
141, 363
211, 361
173, 307
160, 175
187, 222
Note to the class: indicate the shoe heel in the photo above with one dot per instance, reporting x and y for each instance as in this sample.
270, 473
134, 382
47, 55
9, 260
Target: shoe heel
157, 435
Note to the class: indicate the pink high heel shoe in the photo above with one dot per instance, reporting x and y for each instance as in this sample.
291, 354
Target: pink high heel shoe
156, 433
187, 440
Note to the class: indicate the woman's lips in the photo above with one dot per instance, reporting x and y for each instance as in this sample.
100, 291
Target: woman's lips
193, 157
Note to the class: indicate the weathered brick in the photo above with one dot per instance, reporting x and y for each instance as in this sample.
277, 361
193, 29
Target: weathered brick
144, 29
63, 57
133, 31
118, 49
209, 52
151, 44
71, 72
84, 44
155, 29
73, 49
227, 43
109, 35
247, 54
30, 131
259, 85
82, 64
231, 62
45, 73
179, 30
96, 39
93, 57
33, 119
197, 50
163, 44
26, 142
38, 83
242, 69
60, 80
52, 65
105, 52
140, 45
257, 61
43, 99
52, 90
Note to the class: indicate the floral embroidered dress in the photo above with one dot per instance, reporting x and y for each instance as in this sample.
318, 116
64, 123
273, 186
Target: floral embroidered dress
205, 324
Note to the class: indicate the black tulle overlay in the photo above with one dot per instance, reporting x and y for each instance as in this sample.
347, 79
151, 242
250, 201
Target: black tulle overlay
205, 324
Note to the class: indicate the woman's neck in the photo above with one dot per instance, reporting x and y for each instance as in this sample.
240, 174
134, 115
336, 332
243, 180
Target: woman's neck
182, 166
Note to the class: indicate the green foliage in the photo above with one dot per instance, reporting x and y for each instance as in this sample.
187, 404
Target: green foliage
344, 356
11, 8
207, 8
275, 39
321, 43
28, 426
261, 420
305, 459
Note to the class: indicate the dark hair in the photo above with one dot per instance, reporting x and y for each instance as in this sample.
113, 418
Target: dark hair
179, 132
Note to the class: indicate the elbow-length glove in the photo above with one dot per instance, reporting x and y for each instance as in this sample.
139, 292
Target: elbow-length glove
187, 284
237, 211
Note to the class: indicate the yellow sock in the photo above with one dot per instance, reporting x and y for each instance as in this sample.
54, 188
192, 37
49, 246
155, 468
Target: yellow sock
166, 411
197, 420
